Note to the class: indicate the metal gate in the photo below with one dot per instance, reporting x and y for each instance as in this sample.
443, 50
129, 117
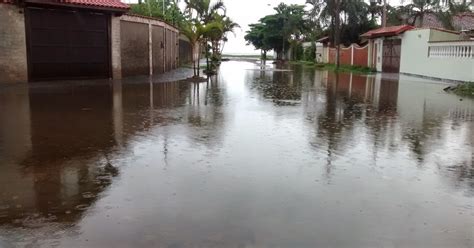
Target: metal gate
391, 55
67, 44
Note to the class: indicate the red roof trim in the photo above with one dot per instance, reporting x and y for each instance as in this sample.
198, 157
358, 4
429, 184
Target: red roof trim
105, 4
387, 31
116, 4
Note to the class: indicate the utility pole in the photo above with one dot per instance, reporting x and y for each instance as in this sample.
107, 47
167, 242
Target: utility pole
384, 15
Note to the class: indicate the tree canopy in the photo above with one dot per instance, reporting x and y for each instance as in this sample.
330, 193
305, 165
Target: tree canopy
276, 31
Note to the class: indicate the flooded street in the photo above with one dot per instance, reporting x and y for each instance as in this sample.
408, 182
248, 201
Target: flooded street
254, 158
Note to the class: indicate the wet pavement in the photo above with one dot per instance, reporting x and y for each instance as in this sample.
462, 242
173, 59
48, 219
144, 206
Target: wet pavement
253, 158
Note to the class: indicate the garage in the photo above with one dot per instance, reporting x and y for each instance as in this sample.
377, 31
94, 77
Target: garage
67, 44
391, 55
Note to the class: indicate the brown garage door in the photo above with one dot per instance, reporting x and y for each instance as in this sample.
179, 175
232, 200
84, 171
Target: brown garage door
67, 44
391, 55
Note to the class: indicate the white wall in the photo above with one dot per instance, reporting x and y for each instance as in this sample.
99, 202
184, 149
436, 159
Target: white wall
378, 59
415, 60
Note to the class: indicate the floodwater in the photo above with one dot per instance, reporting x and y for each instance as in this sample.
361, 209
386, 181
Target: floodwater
253, 158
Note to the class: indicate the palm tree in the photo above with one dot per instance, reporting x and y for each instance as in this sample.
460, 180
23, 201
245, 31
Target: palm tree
229, 26
194, 31
203, 10
214, 23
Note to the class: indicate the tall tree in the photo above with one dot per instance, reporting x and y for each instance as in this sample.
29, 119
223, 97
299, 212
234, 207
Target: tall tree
256, 36
277, 30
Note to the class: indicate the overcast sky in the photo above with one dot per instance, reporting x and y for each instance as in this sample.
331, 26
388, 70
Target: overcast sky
245, 12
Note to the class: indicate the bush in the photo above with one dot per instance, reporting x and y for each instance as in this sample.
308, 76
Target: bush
465, 89
297, 51
310, 53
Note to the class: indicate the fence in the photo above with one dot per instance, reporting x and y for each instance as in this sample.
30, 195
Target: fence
148, 46
451, 60
353, 55
459, 49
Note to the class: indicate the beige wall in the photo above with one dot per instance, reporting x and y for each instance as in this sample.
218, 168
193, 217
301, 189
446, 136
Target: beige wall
13, 47
442, 36
148, 46
415, 60
13, 66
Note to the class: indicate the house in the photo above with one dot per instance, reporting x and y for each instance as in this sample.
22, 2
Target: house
385, 47
437, 53
428, 52
82, 39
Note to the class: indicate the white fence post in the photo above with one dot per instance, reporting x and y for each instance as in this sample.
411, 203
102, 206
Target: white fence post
352, 54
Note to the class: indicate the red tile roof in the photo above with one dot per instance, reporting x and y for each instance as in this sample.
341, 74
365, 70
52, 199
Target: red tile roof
112, 4
387, 31
116, 4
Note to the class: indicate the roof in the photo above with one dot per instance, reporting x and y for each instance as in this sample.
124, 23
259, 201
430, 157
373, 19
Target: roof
461, 21
387, 31
116, 4
323, 39
106, 4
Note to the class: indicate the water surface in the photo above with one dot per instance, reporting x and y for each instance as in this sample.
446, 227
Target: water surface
256, 157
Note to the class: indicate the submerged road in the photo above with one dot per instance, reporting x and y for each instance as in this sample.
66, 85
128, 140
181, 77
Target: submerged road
293, 157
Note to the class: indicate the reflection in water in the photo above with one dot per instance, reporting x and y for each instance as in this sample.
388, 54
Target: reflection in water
255, 157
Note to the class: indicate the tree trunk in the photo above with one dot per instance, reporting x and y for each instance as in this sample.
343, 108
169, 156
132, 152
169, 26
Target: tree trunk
337, 31
384, 14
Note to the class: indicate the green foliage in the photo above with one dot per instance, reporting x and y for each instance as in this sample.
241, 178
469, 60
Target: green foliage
347, 68
310, 53
465, 89
169, 12
297, 51
353, 17
275, 32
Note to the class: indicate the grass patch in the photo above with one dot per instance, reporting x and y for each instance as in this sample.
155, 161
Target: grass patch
465, 89
332, 67
249, 56
190, 66
346, 68
303, 62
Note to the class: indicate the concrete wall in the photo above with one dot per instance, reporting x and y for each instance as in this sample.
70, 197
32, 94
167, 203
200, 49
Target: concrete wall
415, 60
134, 48
158, 37
13, 61
115, 46
436, 35
139, 46
378, 45
148, 46
360, 56
352, 55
